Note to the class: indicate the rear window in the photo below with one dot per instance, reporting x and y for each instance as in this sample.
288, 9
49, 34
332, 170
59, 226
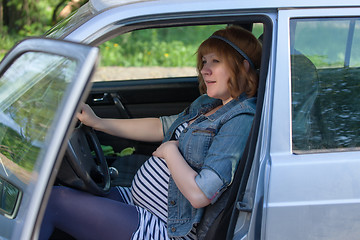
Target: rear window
325, 78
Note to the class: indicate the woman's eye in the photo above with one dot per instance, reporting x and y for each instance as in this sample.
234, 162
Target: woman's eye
203, 62
215, 61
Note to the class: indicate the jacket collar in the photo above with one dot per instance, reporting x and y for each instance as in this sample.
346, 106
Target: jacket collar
227, 107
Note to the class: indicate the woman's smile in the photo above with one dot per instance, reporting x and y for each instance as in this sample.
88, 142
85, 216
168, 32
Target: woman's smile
215, 73
208, 82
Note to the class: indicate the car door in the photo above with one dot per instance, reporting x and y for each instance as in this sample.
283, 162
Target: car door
153, 74
312, 174
41, 83
114, 97
137, 99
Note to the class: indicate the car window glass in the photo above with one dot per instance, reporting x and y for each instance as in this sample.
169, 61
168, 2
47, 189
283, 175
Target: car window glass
154, 53
29, 98
9, 197
325, 70
355, 47
76, 18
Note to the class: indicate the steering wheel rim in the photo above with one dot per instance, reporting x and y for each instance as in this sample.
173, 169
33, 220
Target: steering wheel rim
89, 173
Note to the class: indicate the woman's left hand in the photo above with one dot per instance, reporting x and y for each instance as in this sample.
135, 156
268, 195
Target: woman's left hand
182, 173
167, 149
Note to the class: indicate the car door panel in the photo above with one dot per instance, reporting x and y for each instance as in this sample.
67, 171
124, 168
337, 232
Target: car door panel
139, 99
312, 190
42, 81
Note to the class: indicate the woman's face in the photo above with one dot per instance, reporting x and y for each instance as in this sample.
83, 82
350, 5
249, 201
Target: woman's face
216, 75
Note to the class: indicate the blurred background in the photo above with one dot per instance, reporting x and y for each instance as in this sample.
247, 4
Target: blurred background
23, 18
164, 47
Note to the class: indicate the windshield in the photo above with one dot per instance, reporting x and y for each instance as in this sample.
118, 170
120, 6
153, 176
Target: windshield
67, 25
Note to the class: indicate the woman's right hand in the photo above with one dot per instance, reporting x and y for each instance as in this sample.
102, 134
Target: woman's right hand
87, 116
141, 129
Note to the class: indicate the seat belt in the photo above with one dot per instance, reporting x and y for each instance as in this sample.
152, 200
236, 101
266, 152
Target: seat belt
219, 228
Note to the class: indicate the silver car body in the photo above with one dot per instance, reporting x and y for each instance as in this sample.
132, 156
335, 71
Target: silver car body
291, 196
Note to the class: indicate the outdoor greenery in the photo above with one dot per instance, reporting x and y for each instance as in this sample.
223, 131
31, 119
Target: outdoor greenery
28, 116
154, 47
166, 47
24, 18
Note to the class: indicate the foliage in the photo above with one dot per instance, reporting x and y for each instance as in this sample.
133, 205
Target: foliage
6, 42
153, 47
32, 105
21, 18
166, 47
22, 13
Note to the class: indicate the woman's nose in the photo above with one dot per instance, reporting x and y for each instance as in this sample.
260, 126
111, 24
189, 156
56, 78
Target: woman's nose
205, 70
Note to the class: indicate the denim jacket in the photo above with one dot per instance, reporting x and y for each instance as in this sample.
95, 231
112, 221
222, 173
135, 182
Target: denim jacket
212, 146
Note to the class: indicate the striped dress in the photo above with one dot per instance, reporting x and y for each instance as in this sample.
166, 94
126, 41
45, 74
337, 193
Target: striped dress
149, 193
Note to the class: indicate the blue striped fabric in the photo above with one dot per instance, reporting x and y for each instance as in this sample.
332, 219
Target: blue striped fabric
149, 187
149, 192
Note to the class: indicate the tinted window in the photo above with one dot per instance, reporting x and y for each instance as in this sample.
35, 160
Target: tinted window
325, 78
30, 93
9, 197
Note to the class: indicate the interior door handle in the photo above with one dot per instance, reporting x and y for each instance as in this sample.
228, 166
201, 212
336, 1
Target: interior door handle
102, 98
119, 106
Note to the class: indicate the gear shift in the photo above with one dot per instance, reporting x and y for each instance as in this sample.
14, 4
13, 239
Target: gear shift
113, 173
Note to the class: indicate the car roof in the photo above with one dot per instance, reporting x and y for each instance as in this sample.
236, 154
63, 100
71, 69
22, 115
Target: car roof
101, 5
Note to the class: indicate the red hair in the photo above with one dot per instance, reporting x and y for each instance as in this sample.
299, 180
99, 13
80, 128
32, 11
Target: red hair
241, 80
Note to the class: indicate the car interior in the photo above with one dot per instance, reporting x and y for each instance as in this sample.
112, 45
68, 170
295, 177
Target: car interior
157, 97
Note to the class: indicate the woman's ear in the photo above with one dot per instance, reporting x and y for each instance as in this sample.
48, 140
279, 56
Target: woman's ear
246, 65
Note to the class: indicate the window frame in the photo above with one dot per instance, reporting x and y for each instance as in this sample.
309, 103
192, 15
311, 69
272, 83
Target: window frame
346, 45
48, 161
301, 187
281, 129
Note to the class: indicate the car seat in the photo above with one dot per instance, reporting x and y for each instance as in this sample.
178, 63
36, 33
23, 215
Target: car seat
306, 116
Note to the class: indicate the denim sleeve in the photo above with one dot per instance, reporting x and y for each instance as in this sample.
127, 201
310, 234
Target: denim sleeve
223, 156
167, 121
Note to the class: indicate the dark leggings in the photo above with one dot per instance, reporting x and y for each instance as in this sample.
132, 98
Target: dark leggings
85, 216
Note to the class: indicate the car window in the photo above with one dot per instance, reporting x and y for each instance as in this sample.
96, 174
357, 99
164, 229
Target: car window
9, 195
30, 95
325, 77
65, 26
154, 53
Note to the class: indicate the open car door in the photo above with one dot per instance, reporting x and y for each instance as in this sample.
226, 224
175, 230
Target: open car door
42, 82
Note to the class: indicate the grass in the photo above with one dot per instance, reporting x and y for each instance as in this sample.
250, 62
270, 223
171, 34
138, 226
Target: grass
8, 38
166, 47
6, 42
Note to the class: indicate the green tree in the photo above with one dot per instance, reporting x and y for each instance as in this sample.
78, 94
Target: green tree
23, 18
33, 16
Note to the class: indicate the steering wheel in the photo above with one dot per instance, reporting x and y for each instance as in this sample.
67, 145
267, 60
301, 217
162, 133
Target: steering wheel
82, 170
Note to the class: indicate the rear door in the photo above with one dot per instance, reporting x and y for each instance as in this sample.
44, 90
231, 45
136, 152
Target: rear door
312, 181
41, 83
